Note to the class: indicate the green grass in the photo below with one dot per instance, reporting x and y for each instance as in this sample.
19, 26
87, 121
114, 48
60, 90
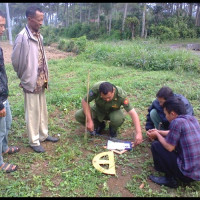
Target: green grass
67, 170
140, 54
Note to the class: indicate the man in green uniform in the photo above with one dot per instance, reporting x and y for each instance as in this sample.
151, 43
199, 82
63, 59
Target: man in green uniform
108, 100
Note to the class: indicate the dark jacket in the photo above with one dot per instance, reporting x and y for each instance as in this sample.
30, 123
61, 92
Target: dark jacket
159, 109
3, 81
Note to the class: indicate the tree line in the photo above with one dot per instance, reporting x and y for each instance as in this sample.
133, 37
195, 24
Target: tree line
114, 20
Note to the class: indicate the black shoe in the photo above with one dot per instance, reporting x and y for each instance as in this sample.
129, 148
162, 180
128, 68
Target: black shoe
51, 139
38, 149
92, 133
166, 181
100, 128
113, 133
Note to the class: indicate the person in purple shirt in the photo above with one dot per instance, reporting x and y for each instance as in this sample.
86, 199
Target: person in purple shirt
176, 152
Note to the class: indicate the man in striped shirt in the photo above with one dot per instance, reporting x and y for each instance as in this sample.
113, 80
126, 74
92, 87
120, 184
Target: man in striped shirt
176, 152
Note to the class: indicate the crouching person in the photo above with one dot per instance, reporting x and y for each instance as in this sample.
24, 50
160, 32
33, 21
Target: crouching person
178, 154
108, 102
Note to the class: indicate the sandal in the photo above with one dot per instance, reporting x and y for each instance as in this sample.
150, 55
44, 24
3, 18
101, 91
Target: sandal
6, 167
12, 150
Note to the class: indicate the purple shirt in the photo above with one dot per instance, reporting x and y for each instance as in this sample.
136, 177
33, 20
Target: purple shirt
184, 133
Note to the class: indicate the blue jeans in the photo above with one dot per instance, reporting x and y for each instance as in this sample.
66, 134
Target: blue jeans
5, 125
166, 162
155, 118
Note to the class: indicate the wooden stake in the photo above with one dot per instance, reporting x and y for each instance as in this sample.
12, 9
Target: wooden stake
88, 84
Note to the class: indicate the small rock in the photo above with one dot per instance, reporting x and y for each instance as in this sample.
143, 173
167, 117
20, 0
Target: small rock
141, 186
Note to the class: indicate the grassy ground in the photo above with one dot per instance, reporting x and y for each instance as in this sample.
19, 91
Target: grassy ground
65, 169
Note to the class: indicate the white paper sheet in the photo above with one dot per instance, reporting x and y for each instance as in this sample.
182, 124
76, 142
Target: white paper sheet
118, 145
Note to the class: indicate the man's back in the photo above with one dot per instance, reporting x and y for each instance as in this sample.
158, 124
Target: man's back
185, 135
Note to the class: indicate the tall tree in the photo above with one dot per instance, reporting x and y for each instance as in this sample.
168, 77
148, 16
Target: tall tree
190, 9
143, 20
98, 14
107, 10
89, 9
67, 24
9, 25
64, 16
197, 21
50, 13
80, 5
57, 13
110, 19
124, 16
132, 22
73, 8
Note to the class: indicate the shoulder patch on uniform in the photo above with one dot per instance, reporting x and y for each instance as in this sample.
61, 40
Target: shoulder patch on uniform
121, 93
126, 101
91, 93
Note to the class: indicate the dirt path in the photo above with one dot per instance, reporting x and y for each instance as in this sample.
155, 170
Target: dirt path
182, 46
51, 52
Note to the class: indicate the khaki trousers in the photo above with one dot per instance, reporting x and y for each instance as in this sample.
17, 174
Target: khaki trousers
116, 118
36, 117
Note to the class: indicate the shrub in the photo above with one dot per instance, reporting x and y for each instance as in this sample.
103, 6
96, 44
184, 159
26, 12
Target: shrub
49, 34
146, 55
197, 30
74, 30
79, 44
61, 44
85, 29
162, 32
75, 45
115, 35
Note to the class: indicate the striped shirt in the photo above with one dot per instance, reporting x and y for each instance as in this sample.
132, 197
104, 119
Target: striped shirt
184, 133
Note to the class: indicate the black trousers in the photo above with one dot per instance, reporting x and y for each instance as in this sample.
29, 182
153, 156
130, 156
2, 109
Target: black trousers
165, 161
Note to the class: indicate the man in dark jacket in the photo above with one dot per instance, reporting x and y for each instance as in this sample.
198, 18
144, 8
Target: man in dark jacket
5, 113
156, 116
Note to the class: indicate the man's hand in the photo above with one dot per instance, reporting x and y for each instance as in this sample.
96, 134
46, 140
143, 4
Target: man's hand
152, 134
90, 125
3, 112
138, 139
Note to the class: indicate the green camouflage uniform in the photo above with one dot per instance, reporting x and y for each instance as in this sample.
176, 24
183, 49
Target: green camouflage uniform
103, 110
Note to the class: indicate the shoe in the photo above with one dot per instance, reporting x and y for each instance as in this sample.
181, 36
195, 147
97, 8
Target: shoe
92, 133
51, 139
113, 133
12, 150
38, 149
163, 180
8, 167
100, 128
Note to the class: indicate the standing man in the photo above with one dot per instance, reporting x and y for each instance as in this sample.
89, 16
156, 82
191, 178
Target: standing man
29, 61
5, 112
108, 100
178, 154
